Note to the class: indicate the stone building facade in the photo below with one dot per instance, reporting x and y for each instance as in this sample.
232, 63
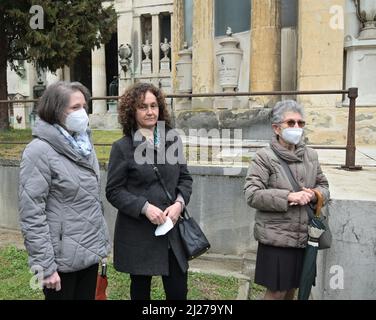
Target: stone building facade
196, 46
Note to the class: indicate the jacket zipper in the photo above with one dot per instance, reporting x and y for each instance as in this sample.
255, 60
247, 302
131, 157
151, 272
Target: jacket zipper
61, 238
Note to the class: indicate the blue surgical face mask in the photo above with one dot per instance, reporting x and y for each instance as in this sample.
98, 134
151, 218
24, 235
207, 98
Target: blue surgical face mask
292, 135
77, 121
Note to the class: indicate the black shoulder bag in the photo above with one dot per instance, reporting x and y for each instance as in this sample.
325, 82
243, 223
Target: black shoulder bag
193, 238
325, 239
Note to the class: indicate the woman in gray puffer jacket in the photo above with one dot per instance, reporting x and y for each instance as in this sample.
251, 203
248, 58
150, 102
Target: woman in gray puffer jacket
61, 213
281, 222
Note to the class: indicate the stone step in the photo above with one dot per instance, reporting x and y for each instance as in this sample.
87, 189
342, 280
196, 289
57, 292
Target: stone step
241, 267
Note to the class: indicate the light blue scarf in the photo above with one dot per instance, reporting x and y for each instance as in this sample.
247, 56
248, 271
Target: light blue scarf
157, 137
79, 141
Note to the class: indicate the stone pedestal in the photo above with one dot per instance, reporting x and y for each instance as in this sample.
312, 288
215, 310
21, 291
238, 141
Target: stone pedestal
360, 70
184, 77
146, 66
112, 106
226, 103
165, 65
182, 104
98, 73
107, 121
165, 84
184, 70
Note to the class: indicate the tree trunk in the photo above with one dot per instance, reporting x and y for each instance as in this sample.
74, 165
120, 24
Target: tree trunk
4, 117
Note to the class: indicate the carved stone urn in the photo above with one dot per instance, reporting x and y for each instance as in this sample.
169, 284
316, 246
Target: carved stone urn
146, 48
165, 61
229, 58
146, 63
366, 12
165, 47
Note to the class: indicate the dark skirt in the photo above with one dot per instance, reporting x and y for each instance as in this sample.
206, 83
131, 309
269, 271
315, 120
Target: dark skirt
278, 269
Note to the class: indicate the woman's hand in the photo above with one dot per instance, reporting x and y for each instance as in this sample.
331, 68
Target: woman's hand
174, 211
53, 282
155, 215
302, 197
313, 199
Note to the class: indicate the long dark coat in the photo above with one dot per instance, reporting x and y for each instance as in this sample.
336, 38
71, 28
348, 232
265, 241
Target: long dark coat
129, 185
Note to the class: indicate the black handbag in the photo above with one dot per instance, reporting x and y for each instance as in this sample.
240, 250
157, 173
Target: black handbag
325, 240
193, 238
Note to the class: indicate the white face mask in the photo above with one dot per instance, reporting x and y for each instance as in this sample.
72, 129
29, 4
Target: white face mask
292, 135
77, 121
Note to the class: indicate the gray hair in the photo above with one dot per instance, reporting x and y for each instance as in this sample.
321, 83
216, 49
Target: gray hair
55, 99
283, 107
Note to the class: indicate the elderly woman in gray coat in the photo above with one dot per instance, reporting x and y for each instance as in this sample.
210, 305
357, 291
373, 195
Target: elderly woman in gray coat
61, 213
281, 222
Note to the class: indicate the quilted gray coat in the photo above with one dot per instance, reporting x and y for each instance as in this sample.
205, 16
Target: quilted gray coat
267, 187
61, 214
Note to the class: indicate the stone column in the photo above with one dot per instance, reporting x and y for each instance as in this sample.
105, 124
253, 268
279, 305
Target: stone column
265, 71
320, 54
155, 42
53, 77
177, 38
98, 74
203, 52
288, 60
137, 50
125, 28
66, 73
32, 80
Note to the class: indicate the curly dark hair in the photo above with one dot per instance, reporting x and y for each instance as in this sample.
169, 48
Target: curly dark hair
132, 98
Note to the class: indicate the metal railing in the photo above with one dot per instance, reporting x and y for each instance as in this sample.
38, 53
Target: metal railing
352, 94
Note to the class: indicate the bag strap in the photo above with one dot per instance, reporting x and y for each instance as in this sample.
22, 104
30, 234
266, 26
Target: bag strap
161, 181
288, 172
168, 194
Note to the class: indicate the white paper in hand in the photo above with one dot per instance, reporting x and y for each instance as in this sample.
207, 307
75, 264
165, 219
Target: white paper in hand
164, 228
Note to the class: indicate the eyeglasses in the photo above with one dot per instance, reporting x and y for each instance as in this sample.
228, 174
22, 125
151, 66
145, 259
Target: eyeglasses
291, 123
144, 108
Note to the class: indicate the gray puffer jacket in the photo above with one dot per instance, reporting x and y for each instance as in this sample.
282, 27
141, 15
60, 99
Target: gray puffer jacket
267, 187
61, 213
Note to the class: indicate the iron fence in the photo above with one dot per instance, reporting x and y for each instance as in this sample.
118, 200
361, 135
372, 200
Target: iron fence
352, 94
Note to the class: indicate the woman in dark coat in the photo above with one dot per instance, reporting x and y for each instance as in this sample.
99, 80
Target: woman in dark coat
134, 189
